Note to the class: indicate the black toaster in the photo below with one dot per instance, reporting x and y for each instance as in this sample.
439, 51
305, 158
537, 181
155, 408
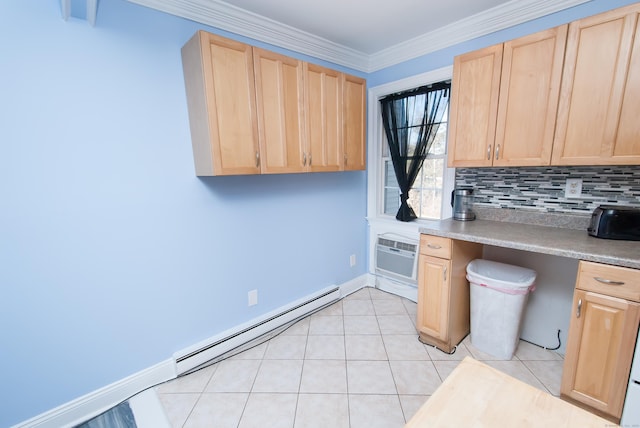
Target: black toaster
615, 222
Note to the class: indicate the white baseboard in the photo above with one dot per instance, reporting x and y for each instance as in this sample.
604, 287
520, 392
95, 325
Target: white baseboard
215, 346
90, 405
366, 280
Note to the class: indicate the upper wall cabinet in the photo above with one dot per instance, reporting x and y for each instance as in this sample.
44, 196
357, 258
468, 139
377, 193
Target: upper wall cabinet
354, 123
279, 98
600, 96
474, 105
503, 104
253, 111
323, 106
220, 90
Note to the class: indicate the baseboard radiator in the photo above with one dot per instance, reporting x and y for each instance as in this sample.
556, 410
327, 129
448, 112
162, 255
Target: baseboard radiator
209, 349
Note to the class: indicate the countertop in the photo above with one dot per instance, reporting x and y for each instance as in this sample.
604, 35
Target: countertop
572, 243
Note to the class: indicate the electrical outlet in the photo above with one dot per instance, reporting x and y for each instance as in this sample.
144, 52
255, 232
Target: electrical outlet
352, 260
573, 188
252, 297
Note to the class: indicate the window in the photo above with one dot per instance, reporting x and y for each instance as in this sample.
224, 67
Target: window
426, 195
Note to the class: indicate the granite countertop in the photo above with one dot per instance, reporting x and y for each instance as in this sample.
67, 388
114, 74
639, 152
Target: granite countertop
558, 241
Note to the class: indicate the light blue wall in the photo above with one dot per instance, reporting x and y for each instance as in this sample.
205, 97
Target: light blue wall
113, 254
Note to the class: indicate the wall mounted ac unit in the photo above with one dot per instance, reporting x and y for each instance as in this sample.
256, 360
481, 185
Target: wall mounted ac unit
396, 257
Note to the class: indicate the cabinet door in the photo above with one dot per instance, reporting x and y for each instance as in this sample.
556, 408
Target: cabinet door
433, 294
474, 107
279, 97
221, 100
529, 89
354, 119
596, 70
323, 108
602, 335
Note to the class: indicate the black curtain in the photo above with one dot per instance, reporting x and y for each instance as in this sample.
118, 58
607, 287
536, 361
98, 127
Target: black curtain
411, 120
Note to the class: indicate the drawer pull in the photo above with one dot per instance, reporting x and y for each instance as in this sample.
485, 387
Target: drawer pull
434, 246
608, 281
579, 310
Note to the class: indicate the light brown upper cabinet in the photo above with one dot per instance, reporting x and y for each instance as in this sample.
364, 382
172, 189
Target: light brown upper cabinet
252, 111
323, 106
600, 96
528, 103
220, 88
279, 99
504, 102
474, 107
354, 122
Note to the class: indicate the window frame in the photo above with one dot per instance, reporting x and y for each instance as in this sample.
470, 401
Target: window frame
375, 175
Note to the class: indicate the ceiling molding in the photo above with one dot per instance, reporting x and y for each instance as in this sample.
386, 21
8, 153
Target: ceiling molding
242, 22
498, 18
224, 16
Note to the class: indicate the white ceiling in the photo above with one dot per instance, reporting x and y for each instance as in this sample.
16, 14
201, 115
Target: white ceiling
366, 35
368, 26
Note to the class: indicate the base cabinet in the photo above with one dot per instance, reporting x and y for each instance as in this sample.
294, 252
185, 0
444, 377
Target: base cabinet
602, 336
443, 290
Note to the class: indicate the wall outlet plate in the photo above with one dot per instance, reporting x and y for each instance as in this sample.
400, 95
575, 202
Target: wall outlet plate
573, 188
252, 297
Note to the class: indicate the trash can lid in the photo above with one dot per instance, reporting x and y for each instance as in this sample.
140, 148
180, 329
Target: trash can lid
500, 274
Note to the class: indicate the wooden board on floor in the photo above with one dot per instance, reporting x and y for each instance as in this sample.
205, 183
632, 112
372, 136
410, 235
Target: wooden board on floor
477, 395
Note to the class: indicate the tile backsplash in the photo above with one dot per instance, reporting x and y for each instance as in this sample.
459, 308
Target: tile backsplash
542, 189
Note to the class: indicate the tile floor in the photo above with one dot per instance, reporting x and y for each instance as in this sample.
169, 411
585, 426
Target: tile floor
357, 363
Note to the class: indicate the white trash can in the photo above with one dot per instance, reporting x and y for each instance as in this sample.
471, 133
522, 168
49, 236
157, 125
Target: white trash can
499, 293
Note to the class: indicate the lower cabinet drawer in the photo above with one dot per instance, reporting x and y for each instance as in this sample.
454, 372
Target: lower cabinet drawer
613, 281
435, 246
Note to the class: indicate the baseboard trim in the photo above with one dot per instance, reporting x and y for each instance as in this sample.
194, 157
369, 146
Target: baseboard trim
90, 405
215, 346
94, 403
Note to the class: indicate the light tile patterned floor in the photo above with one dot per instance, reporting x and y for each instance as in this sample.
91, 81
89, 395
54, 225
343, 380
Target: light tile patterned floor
355, 364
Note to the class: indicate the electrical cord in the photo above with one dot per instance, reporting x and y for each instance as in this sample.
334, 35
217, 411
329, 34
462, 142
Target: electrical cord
544, 347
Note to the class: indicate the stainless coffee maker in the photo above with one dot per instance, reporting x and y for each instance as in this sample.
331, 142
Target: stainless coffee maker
462, 202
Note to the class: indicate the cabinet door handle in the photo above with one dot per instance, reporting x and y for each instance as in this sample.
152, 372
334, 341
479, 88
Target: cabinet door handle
434, 246
309, 159
608, 281
304, 159
345, 159
257, 159
489, 152
497, 151
579, 310
444, 274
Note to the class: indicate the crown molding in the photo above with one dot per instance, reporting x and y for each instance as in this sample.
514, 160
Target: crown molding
497, 18
224, 16
230, 18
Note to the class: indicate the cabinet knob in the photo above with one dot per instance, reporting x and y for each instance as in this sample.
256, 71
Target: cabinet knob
608, 281
489, 152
